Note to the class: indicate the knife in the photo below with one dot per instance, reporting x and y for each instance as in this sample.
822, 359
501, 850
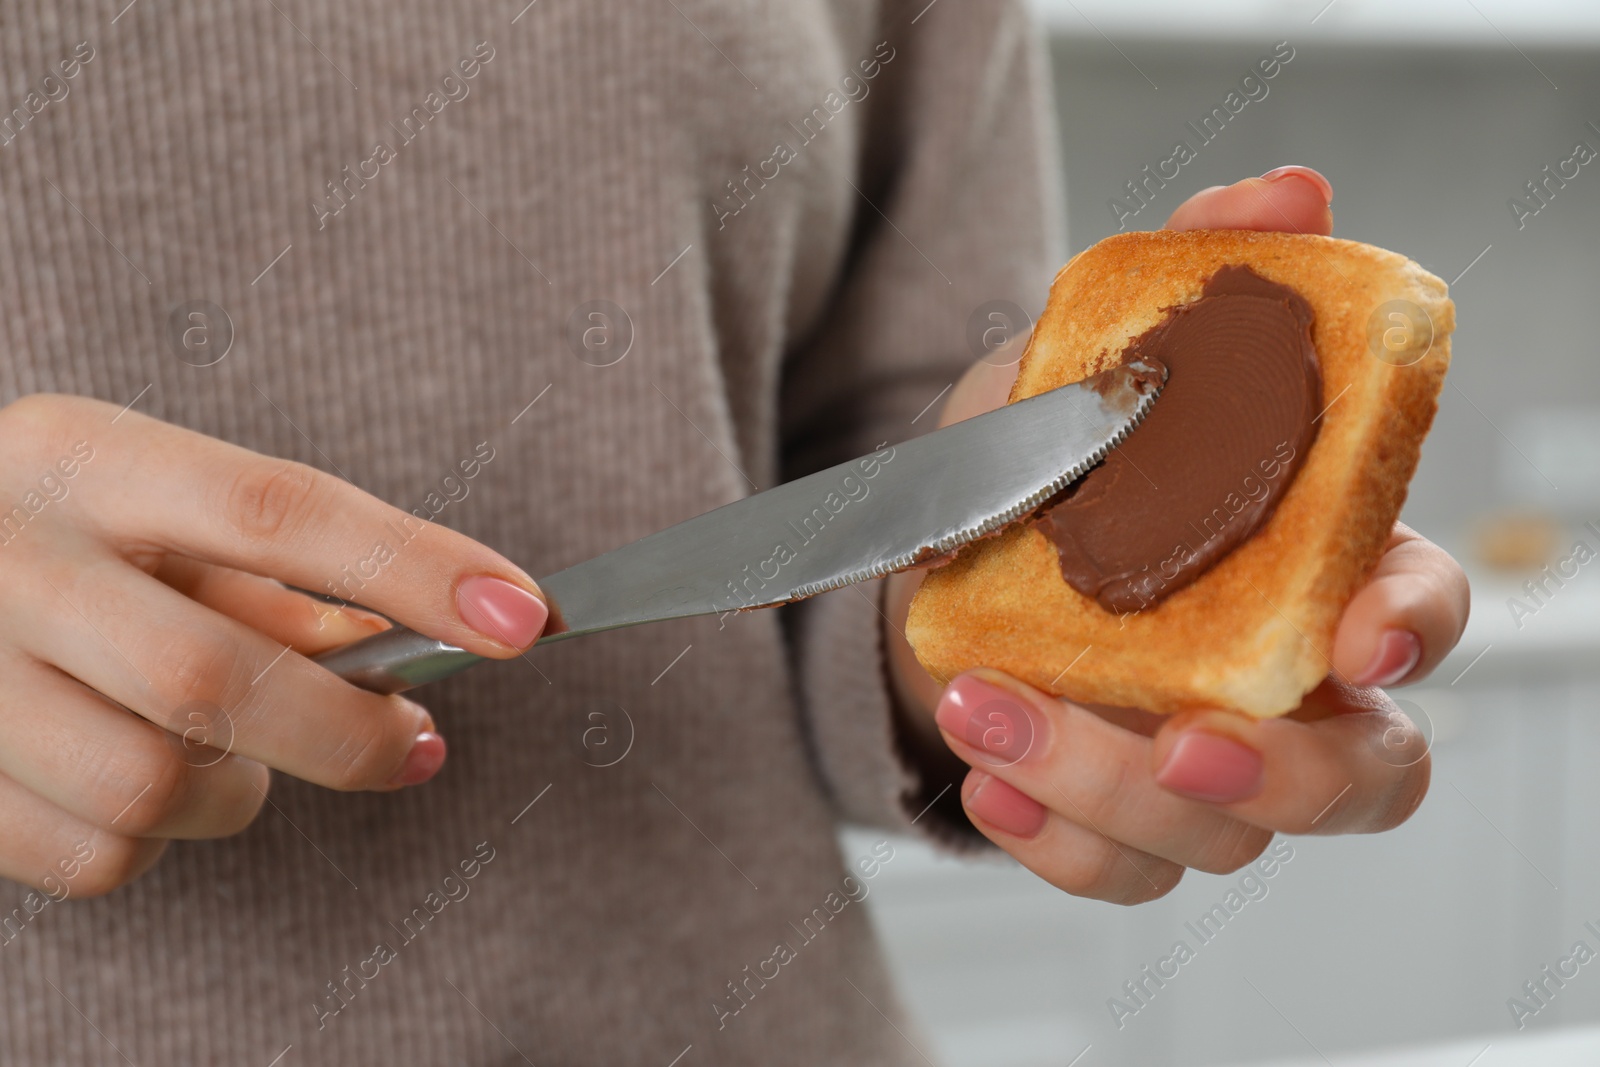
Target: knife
889, 510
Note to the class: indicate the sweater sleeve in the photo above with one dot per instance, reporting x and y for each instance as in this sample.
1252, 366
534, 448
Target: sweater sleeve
958, 217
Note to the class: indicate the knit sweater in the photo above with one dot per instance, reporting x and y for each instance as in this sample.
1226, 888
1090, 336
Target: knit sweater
625, 261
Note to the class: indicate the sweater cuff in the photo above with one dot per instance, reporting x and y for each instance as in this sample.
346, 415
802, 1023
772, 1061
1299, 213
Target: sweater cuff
850, 718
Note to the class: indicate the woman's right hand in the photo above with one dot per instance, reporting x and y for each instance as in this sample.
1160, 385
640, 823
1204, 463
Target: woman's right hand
151, 668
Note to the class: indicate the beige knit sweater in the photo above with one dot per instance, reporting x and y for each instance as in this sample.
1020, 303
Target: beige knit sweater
406, 209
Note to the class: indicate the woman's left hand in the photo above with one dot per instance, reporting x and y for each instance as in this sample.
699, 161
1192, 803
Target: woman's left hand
1116, 803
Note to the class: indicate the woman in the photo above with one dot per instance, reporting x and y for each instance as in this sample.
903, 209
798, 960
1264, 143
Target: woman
549, 279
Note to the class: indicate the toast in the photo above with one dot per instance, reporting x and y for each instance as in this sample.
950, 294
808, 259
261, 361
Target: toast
1254, 632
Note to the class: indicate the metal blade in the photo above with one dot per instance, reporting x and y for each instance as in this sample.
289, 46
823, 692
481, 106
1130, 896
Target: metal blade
904, 504
901, 505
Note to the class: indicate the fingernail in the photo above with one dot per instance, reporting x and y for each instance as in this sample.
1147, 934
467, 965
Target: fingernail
1002, 806
422, 762
502, 611
425, 723
1206, 767
358, 624
997, 722
1396, 656
366, 619
1324, 186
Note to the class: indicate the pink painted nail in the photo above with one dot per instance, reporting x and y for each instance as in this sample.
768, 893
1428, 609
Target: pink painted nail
1324, 186
997, 722
500, 610
1002, 806
1397, 655
422, 762
1206, 767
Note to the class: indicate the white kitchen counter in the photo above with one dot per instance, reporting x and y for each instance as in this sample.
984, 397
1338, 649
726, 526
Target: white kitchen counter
1575, 1047
1382, 22
1563, 631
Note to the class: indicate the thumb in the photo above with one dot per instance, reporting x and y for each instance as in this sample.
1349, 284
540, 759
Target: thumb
1288, 200
985, 385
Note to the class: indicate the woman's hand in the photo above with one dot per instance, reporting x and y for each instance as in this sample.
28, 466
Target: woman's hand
1116, 803
151, 671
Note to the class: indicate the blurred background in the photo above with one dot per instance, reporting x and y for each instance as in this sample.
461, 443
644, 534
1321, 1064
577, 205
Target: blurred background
1430, 118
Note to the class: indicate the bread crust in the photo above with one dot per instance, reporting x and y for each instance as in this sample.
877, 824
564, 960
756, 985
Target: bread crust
1255, 633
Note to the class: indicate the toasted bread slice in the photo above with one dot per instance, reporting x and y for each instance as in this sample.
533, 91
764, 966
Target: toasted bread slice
1254, 633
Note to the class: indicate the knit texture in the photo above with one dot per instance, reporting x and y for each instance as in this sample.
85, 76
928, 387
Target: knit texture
409, 277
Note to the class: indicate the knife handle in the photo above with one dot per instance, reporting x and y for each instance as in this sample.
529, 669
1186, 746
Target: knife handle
396, 660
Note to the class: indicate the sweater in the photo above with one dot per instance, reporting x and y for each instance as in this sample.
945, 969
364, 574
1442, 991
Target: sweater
625, 262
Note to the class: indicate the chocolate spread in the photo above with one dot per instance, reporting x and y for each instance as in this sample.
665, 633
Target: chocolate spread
1209, 463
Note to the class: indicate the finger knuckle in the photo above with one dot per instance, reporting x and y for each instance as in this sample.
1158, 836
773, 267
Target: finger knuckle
233, 818
1323, 805
1081, 879
1159, 880
39, 423
1405, 795
113, 861
143, 790
23, 419
198, 669
1233, 847
368, 755
1135, 877
1303, 822
33, 411
1106, 872
273, 499
1109, 796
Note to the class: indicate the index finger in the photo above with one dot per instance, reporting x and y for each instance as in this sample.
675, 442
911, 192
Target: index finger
184, 492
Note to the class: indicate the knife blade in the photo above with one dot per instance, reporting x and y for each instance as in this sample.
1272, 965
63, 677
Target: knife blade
891, 509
